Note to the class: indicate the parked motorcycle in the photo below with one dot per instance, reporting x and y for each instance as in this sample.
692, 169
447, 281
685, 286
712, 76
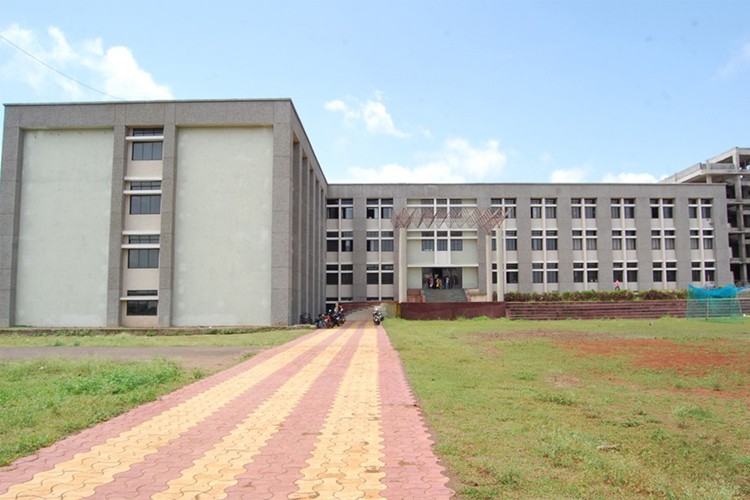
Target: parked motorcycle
377, 316
339, 318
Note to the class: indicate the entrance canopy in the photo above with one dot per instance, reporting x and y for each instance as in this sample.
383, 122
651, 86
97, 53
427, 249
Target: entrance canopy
484, 219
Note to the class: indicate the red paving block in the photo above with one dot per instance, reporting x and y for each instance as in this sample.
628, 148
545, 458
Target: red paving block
410, 471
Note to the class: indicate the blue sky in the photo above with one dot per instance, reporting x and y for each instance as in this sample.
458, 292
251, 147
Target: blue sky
420, 91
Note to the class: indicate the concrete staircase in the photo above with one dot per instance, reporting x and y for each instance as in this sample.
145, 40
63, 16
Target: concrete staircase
444, 295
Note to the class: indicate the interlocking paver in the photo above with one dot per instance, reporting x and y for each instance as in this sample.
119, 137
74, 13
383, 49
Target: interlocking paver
327, 416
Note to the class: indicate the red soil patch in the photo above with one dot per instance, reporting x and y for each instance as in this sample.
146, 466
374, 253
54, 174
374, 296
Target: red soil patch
665, 355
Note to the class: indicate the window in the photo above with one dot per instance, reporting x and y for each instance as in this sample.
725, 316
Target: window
428, 245
702, 206
347, 245
143, 258
536, 212
442, 245
372, 213
586, 206
373, 245
140, 239
708, 240
508, 205
658, 273
332, 278
630, 239
145, 151
141, 307
386, 245
663, 207
552, 275
145, 186
373, 278
655, 239
340, 209
615, 211
386, 276
669, 239
616, 240
578, 272
592, 272
537, 272
632, 272
145, 132
511, 240
145, 204
591, 239
536, 240
551, 240
577, 239
511, 272
457, 245
671, 271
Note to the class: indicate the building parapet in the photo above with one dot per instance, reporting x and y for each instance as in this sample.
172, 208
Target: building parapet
700, 169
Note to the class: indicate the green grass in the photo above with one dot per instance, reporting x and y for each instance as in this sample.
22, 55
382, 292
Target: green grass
518, 415
44, 400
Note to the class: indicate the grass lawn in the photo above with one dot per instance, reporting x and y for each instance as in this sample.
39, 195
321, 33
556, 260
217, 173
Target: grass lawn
42, 401
595, 409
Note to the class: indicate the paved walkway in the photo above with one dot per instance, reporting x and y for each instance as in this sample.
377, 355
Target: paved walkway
329, 415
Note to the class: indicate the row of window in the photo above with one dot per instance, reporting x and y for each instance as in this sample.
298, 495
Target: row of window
540, 208
626, 272
547, 239
344, 274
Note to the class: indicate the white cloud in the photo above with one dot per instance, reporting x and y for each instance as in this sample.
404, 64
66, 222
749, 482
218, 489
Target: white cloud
456, 162
570, 175
113, 71
372, 113
629, 178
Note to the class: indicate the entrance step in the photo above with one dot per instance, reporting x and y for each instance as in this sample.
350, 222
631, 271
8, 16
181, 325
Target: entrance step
451, 295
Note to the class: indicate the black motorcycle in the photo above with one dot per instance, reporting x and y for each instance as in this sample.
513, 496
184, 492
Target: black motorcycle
377, 317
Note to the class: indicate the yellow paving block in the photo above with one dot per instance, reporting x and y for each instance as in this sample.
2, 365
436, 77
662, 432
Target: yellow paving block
228, 458
155, 433
349, 443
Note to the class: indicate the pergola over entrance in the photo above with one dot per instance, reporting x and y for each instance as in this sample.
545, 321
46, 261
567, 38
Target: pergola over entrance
483, 219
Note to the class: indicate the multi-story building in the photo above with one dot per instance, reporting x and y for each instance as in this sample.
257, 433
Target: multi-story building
732, 169
209, 213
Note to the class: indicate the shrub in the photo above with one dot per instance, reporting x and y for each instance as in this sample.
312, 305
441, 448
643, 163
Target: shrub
595, 296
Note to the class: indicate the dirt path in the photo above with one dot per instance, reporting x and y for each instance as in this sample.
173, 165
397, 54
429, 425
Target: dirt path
210, 359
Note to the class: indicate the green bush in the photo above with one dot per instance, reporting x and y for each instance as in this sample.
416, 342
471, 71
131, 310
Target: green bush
596, 296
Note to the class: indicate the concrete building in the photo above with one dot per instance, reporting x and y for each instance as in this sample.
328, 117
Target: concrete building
159, 213
732, 169
212, 213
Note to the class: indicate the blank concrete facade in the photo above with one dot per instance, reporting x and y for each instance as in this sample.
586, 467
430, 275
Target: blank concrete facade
217, 213
235, 237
